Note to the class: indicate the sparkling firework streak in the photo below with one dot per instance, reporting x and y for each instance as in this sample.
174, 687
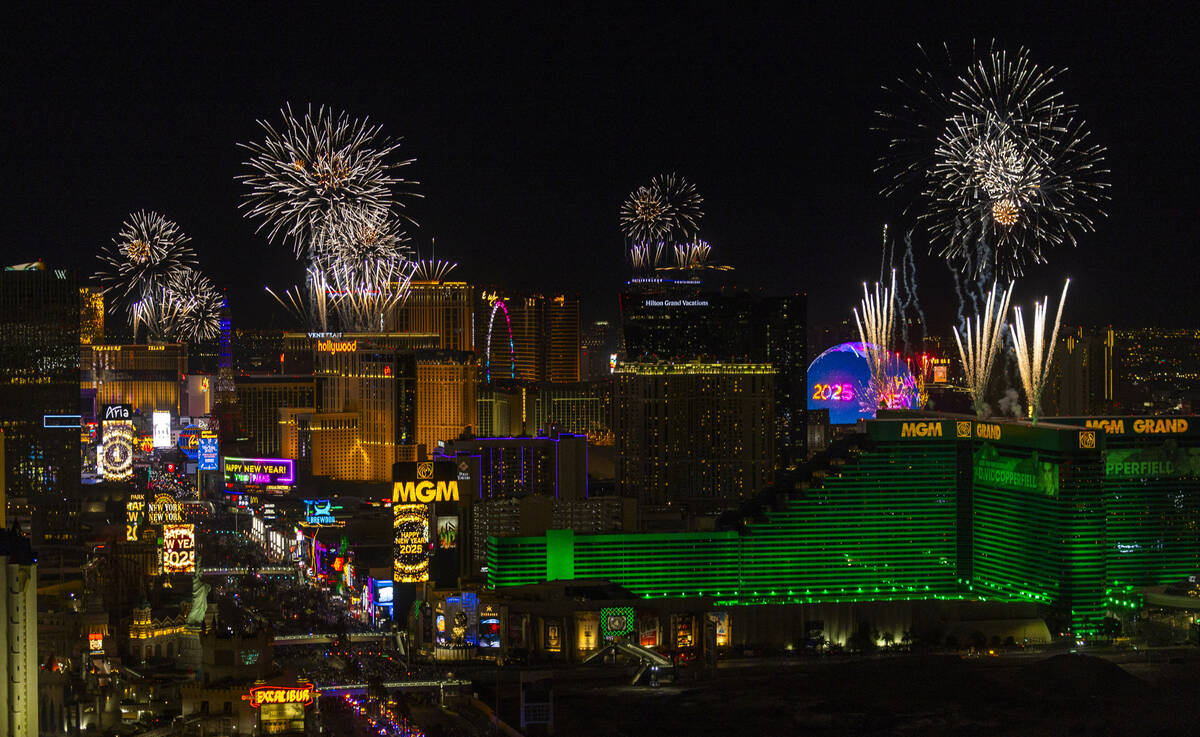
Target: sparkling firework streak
1004, 169
364, 260
875, 329
692, 255
308, 306
1033, 360
645, 216
198, 315
186, 309
432, 270
983, 344
147, 252
314, 165
363, 294
654, 217
353, 234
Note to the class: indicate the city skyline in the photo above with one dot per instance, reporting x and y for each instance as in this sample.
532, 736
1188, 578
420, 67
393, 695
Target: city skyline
529, 133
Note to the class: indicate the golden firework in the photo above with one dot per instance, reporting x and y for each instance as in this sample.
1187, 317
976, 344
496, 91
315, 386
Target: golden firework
138, 250
1005, 212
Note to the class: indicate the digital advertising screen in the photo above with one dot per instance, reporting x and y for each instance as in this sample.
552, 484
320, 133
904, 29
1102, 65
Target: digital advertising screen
839, 380
179, 548
208, 451
410, 543
260, 471
162, 429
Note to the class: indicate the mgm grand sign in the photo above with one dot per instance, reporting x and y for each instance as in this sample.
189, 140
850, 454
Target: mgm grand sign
425, 482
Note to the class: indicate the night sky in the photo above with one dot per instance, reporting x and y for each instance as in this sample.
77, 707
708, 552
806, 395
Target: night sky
530, 130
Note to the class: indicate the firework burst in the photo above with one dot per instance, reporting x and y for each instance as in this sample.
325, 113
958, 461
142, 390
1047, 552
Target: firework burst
185, 309
660, 216
147, 252
198, 315
1003, 169
314, 165
353, 234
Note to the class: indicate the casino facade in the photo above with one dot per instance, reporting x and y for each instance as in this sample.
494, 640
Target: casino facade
1065, 517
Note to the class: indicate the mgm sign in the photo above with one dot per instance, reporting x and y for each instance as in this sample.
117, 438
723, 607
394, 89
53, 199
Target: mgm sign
426, 482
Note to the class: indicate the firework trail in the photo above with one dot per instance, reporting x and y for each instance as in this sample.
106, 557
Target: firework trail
1003, 168
314, 165
875, 329
1033, 359
982, 345
908, 272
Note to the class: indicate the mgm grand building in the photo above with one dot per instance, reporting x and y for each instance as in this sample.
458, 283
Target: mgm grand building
921, 528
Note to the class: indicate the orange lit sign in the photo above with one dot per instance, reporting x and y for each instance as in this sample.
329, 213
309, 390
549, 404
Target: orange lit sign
337, 346
304, 694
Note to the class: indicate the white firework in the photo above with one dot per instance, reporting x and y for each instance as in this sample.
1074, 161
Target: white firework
875, 329
314, 165
1034, 359
982, 345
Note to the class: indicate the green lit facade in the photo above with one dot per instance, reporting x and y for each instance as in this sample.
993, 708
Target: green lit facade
928, 508
1151, 498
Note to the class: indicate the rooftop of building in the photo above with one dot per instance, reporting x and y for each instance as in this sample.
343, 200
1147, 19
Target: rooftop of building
16, 547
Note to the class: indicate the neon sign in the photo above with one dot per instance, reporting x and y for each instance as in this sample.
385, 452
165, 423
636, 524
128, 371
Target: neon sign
436, 481
833, 392
337, 346
319, 512
260, 471
303, 694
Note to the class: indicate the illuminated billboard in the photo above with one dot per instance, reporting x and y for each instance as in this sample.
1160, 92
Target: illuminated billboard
303, 694
617, 621
839, 380
179, 548
489, 627
115, 457
116, 413
208, 450
260, 471
319, 513
162, 429
410, 543
425, 482
164, 510
189, 441
447, 532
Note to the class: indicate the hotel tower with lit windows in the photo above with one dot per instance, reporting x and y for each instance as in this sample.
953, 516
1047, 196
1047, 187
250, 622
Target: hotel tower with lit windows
1071, 515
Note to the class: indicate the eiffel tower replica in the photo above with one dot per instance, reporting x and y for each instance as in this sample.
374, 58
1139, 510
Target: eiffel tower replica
226, 408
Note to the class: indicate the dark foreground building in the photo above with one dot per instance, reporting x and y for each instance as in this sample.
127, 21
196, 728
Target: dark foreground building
39, 396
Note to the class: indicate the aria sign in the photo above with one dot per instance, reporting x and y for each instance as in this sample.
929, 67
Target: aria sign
304, 694
117, 412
